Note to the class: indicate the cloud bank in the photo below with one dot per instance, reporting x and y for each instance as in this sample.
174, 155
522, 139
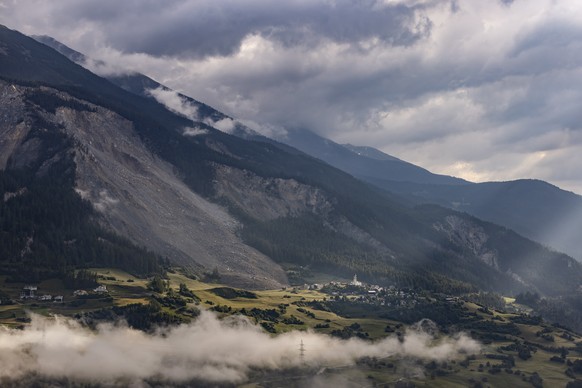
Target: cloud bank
486, 90
221, 351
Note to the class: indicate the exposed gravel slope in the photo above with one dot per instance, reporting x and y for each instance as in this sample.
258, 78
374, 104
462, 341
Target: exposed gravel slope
139, 196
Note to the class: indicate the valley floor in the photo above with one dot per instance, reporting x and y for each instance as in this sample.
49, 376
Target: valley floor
515, 349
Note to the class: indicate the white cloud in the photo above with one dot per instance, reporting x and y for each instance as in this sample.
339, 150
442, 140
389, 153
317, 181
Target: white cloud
269, 130
208, 349
174, 102
194, 131
225, 125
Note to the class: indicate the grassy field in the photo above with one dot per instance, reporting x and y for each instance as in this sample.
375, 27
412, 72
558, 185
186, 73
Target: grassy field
125, 289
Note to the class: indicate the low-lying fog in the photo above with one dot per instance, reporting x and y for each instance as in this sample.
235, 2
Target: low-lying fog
209, 349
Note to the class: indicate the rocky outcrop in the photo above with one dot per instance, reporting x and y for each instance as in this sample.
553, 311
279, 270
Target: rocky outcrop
14, 125
269, 198
470, 236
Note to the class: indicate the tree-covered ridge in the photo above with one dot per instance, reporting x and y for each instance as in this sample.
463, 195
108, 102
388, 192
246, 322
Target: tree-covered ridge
305, 241
45, 226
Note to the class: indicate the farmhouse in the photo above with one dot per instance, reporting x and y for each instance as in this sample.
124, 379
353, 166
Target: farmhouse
28, 292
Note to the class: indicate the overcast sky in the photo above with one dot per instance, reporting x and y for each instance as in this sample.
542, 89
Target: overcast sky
480, 89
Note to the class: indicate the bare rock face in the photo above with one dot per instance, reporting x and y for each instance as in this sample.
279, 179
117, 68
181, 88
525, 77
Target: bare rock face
464, 233
13, 123
269, 198
138, 195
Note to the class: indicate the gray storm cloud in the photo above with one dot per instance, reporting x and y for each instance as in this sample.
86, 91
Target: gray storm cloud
201, 28
208, 349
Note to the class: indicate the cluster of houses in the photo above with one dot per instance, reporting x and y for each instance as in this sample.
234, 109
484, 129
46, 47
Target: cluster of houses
355, 287
359, 291
30, 292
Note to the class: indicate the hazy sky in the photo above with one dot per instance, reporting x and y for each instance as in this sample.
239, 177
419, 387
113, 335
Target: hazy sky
481, 89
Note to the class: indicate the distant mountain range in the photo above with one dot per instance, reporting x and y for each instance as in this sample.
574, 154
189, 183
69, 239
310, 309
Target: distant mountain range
364, 162
92, 173
534, 208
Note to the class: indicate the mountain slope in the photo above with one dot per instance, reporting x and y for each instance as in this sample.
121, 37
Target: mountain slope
294, 209
45, 227
134, 83
536, 209
137, 194
362, 165
134, 192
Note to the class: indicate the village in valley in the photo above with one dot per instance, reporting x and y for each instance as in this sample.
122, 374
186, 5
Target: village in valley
392, 297
361, 292
354, 298
31, 292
